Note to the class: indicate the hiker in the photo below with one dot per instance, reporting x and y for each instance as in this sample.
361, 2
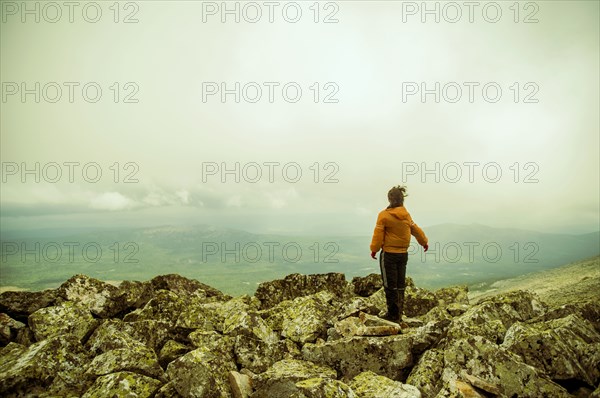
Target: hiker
392, 235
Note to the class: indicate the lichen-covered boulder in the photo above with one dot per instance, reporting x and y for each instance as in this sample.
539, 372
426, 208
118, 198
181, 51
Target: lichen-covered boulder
282, 376
19, 305
241, 385
55, 364
165, 306
257, 355
588, 310
389, 356
371, 385
493, 316
100, 298
65, 318
428, 335
303, 319
453, 294
418, 301
427, 373
497, 366
139, 359
170, 351
200, 315
136, 294
186, 287
123, 384
366, 285
213, 341
167, 391
201, 373
319, 387
9, 329
249, 324
113, 334
566, 348
298, 285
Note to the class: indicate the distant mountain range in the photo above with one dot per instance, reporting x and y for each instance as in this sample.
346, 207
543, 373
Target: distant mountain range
235, 261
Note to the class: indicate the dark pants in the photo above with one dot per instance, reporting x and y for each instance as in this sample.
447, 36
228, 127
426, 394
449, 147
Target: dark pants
393, 273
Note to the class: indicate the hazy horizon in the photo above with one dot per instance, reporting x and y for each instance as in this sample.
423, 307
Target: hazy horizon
163, 144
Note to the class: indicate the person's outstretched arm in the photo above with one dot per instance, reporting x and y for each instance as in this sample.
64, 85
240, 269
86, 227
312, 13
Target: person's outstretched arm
418, 233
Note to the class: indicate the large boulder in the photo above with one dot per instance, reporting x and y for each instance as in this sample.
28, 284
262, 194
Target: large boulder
365, 286
321, 387
496, 366
186, 287
201, 373
56, 364
565, 349
282, 376
389, 356
303, 319
9, 329
493, 316
427, 373
19, 305
139, 359
123, 384
114, 334
298, 285
371, 385
100, 298
257, 355
165, 306
66, 318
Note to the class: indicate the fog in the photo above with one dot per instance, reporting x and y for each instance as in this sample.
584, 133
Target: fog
171, 116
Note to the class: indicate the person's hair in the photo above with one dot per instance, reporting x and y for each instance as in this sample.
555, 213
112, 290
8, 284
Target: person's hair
396, 196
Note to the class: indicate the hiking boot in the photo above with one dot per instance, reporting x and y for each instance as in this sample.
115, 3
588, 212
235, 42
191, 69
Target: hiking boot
391, 317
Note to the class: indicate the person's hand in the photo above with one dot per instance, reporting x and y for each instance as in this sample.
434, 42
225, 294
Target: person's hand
373, 255
425, 248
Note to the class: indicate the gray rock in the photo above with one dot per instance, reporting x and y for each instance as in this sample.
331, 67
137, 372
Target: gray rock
493, 316
453, 294
298, 285
19, 305
241, 385
303, 319
367, 285
319, 387
418, 301
426, 375
123, 384
165, 307
257, 355
9, 329
114, 333
389, 356
101, 299
170, 351
565, 349
66, 318
371, 385
201, 373
140, 360
497, 366
186, 287
54, 364
283, 375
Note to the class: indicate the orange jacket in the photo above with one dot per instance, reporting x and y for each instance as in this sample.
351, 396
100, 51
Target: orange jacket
393, 230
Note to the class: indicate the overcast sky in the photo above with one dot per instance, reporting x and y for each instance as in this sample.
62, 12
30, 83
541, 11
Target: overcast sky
171, 132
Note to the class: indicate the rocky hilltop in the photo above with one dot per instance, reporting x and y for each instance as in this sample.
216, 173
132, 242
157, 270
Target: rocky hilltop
311, 336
